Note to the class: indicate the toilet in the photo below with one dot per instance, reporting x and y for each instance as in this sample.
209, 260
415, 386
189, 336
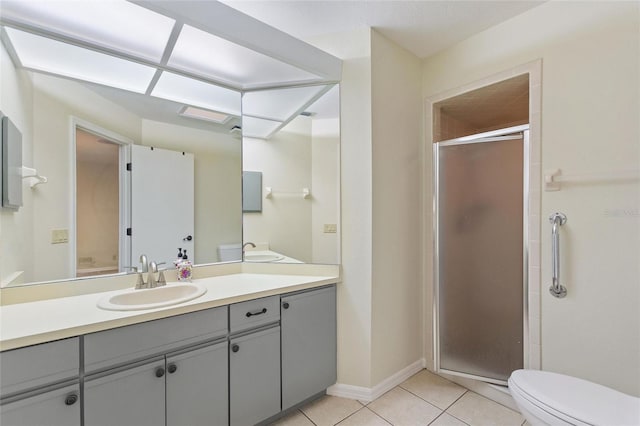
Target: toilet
230, 252
546, 398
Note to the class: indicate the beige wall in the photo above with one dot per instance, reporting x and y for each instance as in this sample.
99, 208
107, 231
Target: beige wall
354, 294
325, 185
590, 106
380, 299
16, 227
285, 163
397, 208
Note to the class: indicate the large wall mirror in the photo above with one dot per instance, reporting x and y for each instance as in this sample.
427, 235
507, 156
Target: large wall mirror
81, 136
132, 142
292, 137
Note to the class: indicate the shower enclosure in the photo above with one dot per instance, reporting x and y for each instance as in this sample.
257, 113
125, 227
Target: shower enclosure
481, 254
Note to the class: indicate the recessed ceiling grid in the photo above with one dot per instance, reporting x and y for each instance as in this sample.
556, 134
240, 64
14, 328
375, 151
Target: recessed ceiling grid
124, 45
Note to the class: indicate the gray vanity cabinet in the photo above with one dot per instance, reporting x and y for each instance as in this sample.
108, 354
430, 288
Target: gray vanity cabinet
308, 321
197, 389
254, 360
171, 371
254, 376
39, 385
132, 396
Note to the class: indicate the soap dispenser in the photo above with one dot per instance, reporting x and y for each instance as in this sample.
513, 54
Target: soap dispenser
179, 258
185, 268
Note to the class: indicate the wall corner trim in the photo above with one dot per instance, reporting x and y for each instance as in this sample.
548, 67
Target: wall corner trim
367, 395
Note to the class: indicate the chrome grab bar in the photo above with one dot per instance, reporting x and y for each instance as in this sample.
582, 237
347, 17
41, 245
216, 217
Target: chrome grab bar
556, 289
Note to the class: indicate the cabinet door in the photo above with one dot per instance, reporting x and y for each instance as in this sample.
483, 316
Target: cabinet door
308, 322
254, 377
198, 388
134, 396
59, 407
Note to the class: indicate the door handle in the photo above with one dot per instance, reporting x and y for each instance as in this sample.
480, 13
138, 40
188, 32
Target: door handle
187, 238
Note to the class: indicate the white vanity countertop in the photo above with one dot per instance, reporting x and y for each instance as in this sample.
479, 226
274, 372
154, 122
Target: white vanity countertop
24, 324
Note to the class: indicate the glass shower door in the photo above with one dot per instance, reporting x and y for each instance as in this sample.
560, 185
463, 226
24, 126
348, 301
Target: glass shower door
480, 256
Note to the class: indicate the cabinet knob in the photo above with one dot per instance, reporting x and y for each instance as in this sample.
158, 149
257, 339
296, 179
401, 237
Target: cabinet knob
159, 372
285, 305
235, 348
172, 368
71, 399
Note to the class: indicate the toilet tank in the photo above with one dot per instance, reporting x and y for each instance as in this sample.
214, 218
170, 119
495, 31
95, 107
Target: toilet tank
230, 252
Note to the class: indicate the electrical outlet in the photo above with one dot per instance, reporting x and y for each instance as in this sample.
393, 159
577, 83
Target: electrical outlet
59, 236
330, 228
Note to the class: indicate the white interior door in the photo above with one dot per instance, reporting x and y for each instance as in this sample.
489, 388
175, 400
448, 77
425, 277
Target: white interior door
161, 204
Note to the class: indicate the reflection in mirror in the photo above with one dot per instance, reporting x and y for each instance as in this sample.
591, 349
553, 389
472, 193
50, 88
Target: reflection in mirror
141, 80
292, 136
66, 228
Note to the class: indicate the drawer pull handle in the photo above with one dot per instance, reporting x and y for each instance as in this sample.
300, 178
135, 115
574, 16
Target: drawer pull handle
159, 372
263, 311
235, 348
71, 399
285, 305
172, 368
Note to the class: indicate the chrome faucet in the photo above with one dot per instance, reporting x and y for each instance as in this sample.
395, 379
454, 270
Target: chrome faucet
151, 276
143, 261
244, 246
151, 280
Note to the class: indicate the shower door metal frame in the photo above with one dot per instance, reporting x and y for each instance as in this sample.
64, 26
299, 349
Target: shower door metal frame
492, 136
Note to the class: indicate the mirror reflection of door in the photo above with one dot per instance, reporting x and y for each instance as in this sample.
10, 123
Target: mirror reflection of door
97, 204
162, 204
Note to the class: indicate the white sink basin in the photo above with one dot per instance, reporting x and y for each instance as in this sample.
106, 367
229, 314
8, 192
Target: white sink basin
262, 257
135, 300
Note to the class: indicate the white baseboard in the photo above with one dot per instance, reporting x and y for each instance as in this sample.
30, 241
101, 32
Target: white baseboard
369, 394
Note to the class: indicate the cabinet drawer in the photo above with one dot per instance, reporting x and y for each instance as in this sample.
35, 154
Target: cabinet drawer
254, 313
38, 365
110, 348
52, 408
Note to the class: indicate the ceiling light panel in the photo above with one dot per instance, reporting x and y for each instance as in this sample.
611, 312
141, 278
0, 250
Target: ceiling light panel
258, 128
189, 91
114, 24
209, 56
43, 54
279, 104
204, 114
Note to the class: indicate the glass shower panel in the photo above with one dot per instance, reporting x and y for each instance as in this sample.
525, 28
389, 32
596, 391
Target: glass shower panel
480, 257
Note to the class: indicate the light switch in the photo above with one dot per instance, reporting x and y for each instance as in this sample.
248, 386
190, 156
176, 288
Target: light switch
59, 236
330, 228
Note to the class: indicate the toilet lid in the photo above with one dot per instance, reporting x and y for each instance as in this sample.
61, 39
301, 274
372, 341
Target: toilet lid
578, 399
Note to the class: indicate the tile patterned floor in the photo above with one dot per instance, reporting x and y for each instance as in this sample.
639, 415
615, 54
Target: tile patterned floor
423, 399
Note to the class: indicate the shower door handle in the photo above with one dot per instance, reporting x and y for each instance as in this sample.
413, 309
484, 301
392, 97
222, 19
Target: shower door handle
556, 289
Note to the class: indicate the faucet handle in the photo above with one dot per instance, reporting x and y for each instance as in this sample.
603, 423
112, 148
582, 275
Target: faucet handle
161, 279
140, 284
